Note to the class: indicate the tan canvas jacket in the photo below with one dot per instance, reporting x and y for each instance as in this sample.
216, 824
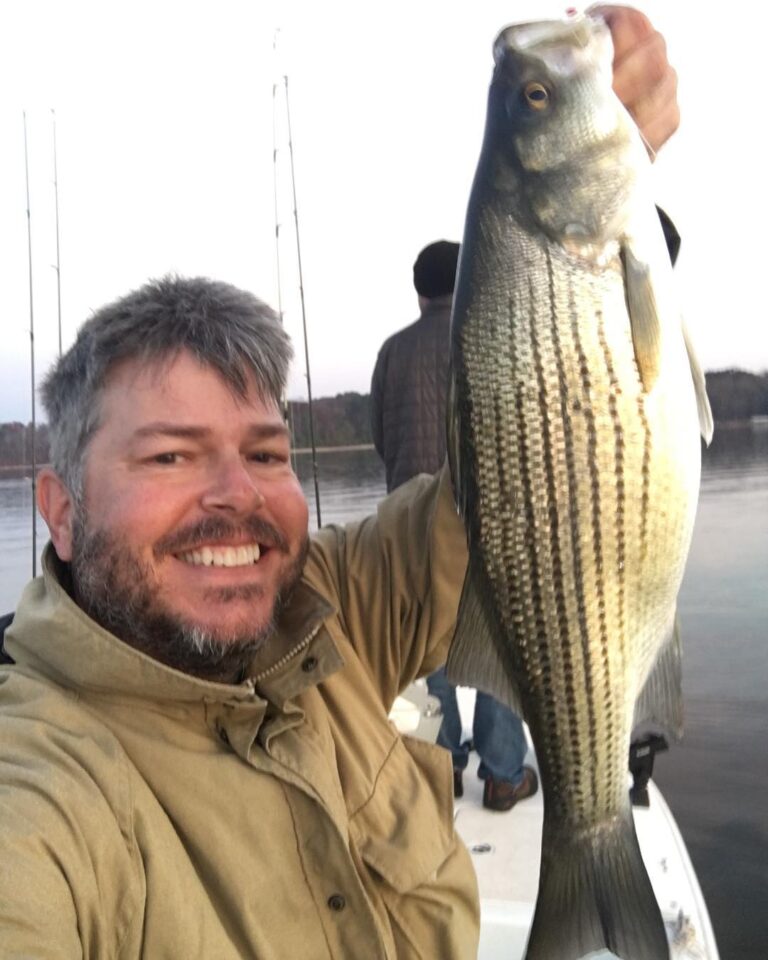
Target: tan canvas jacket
145, 813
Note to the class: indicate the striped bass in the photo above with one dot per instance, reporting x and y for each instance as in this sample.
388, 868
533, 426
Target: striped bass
575, 412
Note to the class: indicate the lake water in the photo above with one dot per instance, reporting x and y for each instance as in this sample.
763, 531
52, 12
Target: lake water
716, 781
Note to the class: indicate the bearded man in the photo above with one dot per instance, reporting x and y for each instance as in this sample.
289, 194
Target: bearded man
196, 758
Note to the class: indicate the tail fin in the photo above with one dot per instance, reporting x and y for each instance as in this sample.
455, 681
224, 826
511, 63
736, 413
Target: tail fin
595, 895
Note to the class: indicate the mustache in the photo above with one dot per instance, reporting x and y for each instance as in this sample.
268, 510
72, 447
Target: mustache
216, 529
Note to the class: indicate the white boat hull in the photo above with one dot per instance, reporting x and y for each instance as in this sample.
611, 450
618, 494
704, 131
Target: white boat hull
506, 849
506, 852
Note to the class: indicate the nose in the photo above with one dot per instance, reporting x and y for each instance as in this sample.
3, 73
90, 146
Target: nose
232, 488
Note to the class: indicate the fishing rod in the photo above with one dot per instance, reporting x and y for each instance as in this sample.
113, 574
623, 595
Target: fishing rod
287, 413
57, 268
274, 186
32, 355
303, 309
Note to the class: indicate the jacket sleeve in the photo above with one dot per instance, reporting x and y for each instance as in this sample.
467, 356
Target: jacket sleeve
67, 877
396, 580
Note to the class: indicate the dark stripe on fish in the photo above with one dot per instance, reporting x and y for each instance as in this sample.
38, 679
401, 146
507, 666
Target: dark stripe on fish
645, 470
539, 670
589, 422
574, 678
556, 561
620, 515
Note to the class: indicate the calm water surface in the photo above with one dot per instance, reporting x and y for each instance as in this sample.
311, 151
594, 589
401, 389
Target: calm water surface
716, 781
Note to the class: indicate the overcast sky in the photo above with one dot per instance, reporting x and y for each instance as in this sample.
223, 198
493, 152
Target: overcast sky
164, 118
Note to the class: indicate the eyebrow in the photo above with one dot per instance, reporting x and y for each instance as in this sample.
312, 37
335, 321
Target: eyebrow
161, 428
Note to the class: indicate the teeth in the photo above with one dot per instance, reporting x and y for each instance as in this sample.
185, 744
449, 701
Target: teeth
223, 556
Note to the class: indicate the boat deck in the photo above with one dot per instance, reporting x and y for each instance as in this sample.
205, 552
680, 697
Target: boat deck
506, 852
506, 849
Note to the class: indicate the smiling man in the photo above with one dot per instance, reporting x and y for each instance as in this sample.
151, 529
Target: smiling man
196, 526
195, 753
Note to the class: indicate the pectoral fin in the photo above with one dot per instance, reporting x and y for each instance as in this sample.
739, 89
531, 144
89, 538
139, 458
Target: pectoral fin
660, 703
643, 317
474, 659
699, 385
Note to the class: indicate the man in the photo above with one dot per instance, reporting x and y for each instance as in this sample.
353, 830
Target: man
409, 387
409, 390
195, 755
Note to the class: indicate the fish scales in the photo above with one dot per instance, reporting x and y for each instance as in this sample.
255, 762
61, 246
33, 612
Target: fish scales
575, 455
538, 518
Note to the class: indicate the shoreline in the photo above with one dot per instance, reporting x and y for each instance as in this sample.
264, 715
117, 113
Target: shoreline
342, 449
26, 469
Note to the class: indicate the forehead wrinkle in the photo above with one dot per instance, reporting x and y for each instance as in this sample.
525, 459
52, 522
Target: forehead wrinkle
256, 431
264, 431
165, 429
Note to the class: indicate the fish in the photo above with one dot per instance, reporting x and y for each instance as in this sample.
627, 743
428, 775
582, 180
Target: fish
576, 405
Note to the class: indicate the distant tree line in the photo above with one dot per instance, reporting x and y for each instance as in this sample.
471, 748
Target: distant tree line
737, 395
16, 444
345, 420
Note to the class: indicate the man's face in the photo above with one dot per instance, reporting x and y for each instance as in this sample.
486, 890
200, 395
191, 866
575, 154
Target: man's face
194, 524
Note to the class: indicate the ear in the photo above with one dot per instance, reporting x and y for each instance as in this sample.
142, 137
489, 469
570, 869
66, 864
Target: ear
56, 505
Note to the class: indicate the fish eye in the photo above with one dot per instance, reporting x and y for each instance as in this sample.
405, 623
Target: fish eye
536, 95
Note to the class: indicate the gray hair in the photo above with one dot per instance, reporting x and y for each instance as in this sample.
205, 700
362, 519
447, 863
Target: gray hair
224, 328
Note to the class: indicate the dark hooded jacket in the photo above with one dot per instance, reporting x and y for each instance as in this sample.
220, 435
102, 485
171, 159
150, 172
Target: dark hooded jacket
409, 395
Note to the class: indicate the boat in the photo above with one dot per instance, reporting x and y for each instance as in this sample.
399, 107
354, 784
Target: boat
506, 849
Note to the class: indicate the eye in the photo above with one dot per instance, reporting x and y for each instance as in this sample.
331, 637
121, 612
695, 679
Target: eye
167, 458
267, 456
536, 95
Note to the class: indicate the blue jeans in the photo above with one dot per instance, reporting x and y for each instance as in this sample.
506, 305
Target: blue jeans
497, 732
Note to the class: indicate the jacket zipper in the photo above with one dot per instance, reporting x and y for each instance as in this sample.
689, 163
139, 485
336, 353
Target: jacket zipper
288, 656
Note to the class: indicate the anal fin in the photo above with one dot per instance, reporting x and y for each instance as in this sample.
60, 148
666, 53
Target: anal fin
474, 659
660, 703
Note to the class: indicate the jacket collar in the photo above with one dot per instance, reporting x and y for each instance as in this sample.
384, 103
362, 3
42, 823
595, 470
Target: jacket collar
438, 305
55, 637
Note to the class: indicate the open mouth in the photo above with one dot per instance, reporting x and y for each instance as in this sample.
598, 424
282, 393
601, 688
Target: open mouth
243, 556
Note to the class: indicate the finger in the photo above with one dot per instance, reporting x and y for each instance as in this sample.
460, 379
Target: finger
657, 114
628, 27
643, 78
660, 129
642, 70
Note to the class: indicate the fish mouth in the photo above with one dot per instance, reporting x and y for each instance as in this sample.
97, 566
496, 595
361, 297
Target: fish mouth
243, 555
563, 44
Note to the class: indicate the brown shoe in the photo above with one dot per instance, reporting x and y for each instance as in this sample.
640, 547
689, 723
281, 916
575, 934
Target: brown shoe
501, 796
458, 784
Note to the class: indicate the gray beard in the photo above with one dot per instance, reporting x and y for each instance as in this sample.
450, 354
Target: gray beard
117, 590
